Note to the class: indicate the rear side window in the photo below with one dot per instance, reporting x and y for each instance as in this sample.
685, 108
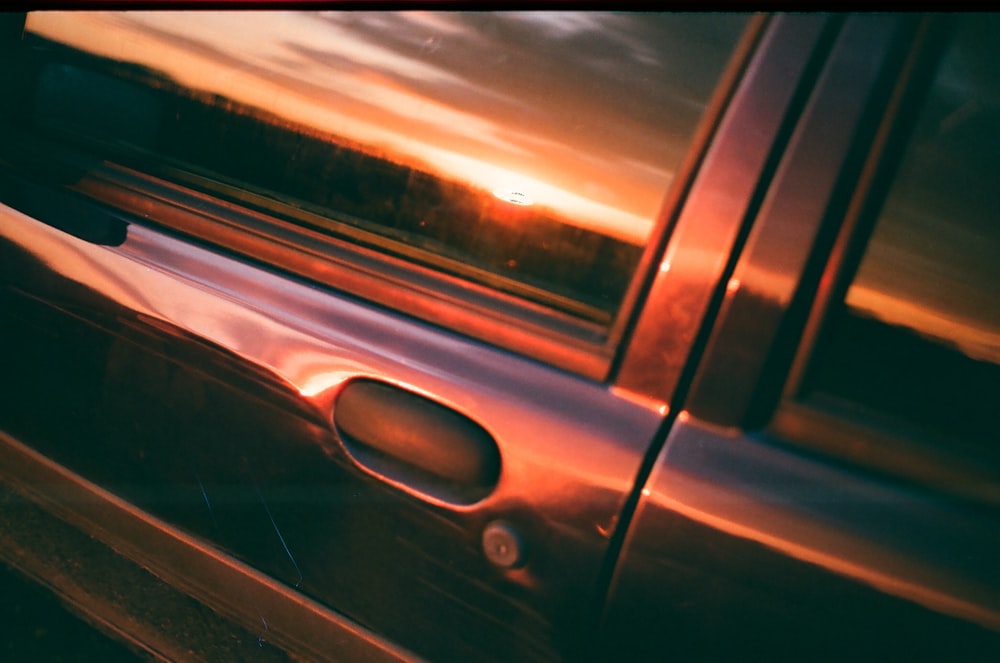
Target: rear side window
529, 152
915, 343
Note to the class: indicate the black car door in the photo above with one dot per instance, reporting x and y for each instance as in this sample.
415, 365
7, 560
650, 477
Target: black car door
830, 489
344, 381
363, 330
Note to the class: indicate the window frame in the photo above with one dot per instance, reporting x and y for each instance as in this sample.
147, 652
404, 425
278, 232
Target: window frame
770, 285
772, 300
391, 281
865, 438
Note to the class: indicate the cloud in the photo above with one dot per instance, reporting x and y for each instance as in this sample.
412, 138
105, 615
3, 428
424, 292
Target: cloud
588, 102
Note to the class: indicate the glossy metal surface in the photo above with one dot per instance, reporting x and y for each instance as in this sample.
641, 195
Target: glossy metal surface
791, 555
160, 564
425, 293
200, 389
794, 557
722, 195
811, 190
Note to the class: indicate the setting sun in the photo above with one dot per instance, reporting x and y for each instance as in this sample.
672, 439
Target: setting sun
513, 196
399, 105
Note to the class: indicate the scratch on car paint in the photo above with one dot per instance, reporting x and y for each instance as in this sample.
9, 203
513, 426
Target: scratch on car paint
208, 503
260, 637
274, 524
261, 641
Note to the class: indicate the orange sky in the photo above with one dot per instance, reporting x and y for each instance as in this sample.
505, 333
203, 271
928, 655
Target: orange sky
414, 98
584, 114
972, 336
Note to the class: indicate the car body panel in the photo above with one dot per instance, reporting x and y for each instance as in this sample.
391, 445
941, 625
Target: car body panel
202, 390
794, 557
712, 221
178, 401
791, 552
166, 593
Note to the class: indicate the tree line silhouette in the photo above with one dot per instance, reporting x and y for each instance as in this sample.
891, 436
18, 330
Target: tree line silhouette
146, 118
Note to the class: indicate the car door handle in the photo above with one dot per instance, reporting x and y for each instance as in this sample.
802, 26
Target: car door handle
415, 442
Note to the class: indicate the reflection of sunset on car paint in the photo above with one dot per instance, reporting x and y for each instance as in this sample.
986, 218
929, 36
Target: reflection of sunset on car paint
421, 108
606, 172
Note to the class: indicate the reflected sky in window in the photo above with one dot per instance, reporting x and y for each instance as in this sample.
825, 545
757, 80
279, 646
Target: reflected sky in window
588, 114
932, 263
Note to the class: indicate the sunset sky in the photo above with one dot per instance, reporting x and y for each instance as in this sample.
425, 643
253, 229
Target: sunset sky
587, 114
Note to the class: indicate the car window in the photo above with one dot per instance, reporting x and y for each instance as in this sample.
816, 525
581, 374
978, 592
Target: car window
529, 152
915, 342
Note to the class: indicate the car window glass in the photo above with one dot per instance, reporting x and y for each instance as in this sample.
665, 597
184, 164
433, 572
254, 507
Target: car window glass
917, 337
527, 151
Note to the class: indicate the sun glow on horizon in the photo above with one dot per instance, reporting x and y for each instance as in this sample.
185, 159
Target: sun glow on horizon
974, 338
514, 196
456, 143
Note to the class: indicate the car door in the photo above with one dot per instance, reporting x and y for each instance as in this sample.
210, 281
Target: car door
354, 411
829, 489
383, 431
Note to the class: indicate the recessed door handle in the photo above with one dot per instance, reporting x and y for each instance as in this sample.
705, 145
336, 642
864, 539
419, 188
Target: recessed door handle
416, 442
